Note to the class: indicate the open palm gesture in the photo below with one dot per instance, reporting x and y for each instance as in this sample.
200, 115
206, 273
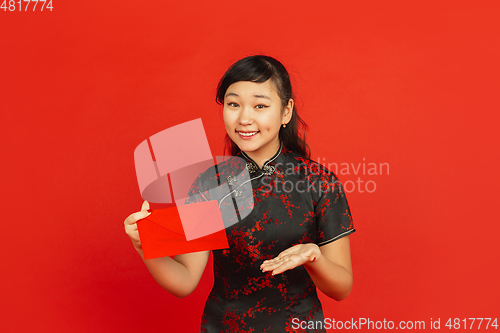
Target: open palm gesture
293, 257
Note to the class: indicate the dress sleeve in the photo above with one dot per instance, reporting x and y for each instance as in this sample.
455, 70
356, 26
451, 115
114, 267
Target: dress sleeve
332, 213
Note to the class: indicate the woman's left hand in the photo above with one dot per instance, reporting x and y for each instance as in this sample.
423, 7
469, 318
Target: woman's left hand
290, 258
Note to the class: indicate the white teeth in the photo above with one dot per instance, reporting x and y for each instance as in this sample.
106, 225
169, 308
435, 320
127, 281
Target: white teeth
247, 134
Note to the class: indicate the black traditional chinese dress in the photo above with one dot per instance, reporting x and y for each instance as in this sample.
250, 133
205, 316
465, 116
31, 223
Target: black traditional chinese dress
293, 200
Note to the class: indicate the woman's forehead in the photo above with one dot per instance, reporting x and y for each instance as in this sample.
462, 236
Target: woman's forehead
265, 89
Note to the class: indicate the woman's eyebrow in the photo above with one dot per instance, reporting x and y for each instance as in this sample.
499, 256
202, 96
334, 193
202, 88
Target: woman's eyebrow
262, 96
257, 96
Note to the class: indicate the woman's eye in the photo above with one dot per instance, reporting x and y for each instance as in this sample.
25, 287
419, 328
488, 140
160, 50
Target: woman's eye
232, 104
261, 106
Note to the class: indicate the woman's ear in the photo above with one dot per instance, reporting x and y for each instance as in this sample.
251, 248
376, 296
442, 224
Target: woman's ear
287, 113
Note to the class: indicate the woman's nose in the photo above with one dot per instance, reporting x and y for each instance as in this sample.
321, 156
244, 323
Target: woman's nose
246, 116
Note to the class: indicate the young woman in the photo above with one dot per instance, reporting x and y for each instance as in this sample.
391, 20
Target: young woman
294, 240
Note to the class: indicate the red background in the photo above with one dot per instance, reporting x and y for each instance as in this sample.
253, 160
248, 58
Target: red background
413, 85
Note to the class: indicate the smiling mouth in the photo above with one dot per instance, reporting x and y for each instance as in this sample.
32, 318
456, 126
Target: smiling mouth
247, 134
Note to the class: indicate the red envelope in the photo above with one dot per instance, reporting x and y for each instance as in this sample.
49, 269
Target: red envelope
162, 233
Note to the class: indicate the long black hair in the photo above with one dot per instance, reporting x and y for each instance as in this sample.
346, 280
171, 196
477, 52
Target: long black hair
260, 68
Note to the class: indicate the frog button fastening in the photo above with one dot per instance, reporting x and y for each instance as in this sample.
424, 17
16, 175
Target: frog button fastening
238, 192
231, 180
251, 167
268, 169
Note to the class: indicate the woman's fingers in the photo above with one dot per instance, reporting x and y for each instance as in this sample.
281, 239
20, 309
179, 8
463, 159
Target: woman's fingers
290, 258
145, 205
130, 222
274, 262
271, 266
285, 266
134, 217
279, 265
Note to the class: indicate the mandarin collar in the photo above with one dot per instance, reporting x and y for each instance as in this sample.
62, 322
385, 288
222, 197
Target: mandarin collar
268, 166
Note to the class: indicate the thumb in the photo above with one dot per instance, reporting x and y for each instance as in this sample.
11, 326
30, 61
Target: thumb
145, 205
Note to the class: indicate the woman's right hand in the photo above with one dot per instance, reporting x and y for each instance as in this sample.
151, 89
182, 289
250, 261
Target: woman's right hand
131, 225
179, 275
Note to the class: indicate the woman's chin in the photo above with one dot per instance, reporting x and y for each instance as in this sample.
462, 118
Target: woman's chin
246, 147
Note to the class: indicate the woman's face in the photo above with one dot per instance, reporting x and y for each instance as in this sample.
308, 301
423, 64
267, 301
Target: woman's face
253, 116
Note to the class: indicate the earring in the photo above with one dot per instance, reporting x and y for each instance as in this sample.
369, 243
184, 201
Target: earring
284, 125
